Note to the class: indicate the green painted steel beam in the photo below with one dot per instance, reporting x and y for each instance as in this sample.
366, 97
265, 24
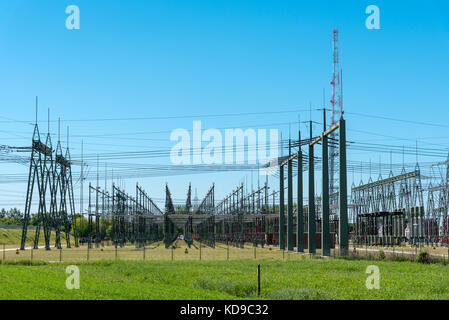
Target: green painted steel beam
311, 219
290, 206
325, 236
281, 209
343, 225
300, 211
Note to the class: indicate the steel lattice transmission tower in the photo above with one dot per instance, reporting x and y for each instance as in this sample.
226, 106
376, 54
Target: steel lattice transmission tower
40, 173
336, 113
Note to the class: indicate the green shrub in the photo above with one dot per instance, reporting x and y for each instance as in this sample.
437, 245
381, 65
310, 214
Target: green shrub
423, 257
400, 257
358, 258
237, 289
24, 262
381, 255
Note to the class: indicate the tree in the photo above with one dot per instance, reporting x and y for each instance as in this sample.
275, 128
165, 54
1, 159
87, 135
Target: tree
11, 216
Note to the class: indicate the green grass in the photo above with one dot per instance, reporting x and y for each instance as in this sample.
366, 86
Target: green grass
284, 275
300, 279
13, 237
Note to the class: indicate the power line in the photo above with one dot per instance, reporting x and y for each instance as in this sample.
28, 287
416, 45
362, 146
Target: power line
240, 114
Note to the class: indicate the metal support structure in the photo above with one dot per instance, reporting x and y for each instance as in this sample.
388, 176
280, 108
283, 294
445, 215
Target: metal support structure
311, 217
290, 202
37, 175
188, 209
300, 210
325, 236
207, 205
343, 197
281, 209
168, 224
53, 176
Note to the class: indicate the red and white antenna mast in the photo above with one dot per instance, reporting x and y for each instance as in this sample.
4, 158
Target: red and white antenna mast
336, 112
336, 86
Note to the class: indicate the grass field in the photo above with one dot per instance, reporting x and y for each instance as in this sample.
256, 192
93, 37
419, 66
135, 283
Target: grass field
154, 251
200, 272
11, 238
301, 279
284, 276
157, 252
437, 250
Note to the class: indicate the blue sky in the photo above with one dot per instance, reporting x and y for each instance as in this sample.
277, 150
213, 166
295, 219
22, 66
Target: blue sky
140, 59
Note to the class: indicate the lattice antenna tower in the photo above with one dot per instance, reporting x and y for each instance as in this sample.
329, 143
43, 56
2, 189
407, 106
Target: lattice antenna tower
336, 109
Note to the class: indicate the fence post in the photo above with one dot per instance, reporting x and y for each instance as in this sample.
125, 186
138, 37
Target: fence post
87, 253
143, 252
200, 250
116, 251
31, 253
227, 251
258, 280
172, 251
60, 254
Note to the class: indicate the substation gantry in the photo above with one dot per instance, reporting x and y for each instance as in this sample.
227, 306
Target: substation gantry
136, 220
311, 235
53, 179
